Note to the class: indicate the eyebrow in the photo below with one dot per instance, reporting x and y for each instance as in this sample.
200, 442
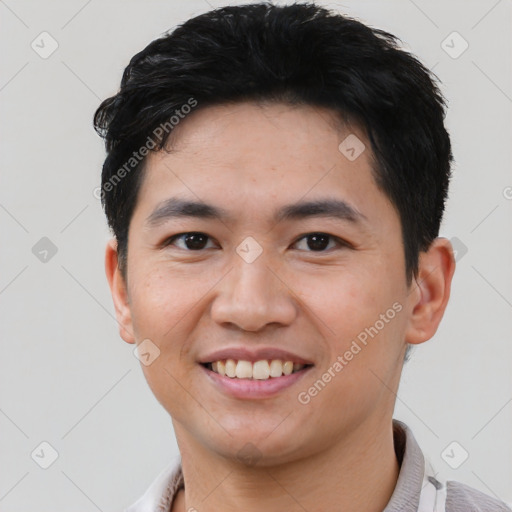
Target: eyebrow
175, 207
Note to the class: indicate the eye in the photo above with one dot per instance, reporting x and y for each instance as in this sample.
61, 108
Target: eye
197, 241
192, 241
318, 242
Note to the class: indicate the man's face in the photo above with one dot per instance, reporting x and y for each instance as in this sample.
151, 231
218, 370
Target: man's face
312, 297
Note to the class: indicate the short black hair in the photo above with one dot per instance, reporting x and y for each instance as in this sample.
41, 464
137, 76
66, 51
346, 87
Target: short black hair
299, 54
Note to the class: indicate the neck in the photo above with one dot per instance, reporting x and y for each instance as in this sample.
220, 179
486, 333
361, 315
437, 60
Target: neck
359, 472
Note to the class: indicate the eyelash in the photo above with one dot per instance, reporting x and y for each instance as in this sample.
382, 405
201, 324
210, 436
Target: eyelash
339, 241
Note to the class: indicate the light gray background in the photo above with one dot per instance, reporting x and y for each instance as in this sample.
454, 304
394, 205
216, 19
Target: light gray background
66, 376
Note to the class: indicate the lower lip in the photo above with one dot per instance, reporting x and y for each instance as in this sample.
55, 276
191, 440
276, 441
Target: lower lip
253, 388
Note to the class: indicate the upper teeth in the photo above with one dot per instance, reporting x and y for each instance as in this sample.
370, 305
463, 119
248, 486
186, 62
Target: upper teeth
261, 370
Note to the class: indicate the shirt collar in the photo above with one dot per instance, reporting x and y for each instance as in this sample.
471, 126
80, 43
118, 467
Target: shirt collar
406, 495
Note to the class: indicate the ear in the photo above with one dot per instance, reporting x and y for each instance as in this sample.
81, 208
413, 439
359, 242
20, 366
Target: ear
430, 291
119, 292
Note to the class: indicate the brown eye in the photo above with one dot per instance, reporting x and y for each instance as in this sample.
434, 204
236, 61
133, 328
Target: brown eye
318, 242
192, 241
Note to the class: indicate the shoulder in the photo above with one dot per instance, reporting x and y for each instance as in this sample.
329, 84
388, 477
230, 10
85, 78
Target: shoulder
462, 498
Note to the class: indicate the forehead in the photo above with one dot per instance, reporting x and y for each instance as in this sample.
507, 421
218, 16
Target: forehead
261, 127
253, 157
270, 139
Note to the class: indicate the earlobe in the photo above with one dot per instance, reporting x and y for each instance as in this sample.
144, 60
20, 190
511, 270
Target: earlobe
119, 292
433, 284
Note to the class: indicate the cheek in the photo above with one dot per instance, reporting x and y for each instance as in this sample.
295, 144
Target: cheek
362, 321
163, 311
346, 302
159, 301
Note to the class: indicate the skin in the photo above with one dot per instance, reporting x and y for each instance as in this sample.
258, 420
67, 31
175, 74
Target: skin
335, 452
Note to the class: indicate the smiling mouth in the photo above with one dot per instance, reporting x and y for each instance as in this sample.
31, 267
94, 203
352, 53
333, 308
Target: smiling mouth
264, 369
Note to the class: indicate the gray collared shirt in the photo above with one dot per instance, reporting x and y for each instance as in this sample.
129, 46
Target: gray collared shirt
417, 488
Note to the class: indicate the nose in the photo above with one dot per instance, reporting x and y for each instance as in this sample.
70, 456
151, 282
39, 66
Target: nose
253, 295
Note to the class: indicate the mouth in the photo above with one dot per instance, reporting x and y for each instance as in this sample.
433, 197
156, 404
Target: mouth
246, 380
264, 369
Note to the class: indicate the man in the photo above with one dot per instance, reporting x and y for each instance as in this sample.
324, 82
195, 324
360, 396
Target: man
275, 181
